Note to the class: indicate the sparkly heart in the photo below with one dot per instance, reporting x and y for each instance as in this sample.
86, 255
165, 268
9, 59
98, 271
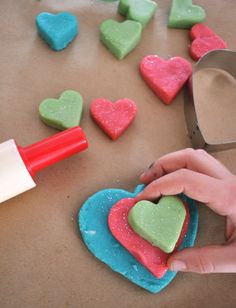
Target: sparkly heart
123, 223
120, 38
184, 14
64, 112
138, 10
57, 30
165, 77
113, 118
160, 224
204, 40
92, 219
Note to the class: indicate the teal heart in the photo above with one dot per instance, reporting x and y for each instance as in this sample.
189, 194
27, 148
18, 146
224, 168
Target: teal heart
120, 38
160, 224
184, 14
138, 10
64, 112
57, 30
92, 219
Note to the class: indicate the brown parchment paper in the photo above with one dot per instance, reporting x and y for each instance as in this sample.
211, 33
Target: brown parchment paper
43, 261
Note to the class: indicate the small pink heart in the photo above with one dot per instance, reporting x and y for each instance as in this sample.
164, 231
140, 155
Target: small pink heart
165, 77
204, 40
113, 117
153, 258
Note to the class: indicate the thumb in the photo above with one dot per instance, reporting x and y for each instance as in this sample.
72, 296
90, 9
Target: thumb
208, 259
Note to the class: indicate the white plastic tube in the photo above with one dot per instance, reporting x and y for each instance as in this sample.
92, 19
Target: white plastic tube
14, 176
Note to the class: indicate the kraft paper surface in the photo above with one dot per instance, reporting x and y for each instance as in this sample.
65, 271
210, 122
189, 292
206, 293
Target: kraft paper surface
43, 261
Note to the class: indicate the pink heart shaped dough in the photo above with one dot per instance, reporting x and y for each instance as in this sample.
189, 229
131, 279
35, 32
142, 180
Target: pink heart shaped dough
204, 40
113, 117
165, 77
153, 258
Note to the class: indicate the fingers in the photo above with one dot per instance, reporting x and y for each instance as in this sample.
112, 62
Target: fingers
208, 259
196, 160
195, 185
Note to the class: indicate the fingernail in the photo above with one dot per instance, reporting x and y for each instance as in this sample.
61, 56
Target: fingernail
143, 174
178, 265
151, 165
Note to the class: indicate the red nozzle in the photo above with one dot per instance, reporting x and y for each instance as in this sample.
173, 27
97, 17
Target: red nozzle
53, 149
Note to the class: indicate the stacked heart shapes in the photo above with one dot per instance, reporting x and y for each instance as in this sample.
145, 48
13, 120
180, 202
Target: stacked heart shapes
122, 38
105, 223
150, 231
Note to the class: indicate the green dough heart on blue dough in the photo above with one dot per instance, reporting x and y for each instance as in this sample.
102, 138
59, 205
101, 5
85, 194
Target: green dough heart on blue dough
92, 219
57, 30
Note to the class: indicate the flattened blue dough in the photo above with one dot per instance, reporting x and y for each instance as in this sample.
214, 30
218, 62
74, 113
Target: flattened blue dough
92, 219
57, 30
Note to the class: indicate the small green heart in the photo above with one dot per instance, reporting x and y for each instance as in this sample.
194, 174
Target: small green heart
184, 14
138, 10
64, 112
120, 38
160, 224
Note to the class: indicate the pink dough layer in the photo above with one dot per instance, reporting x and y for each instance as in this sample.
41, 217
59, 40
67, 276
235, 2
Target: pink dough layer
153, 258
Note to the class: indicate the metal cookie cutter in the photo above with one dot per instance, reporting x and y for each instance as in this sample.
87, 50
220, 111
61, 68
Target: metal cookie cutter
220, 59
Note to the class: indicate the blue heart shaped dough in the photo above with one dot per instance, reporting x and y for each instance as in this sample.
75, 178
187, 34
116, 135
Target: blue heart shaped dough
92, 219
57, 30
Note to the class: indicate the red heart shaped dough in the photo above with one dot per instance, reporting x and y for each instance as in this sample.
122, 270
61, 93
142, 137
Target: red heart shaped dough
204, 40
200, 30
165, 77
153, 258
113, 118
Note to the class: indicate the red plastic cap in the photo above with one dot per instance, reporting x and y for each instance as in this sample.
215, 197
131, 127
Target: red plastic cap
53, 149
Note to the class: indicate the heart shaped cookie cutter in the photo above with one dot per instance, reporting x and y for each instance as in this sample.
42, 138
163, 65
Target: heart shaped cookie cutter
218, 59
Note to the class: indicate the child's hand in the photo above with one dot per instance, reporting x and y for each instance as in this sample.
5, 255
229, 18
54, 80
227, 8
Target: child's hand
201, 177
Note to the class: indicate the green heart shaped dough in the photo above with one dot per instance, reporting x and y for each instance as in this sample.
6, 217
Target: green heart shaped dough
138, 10
64, 112
120, 38
160, 224
184, 14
